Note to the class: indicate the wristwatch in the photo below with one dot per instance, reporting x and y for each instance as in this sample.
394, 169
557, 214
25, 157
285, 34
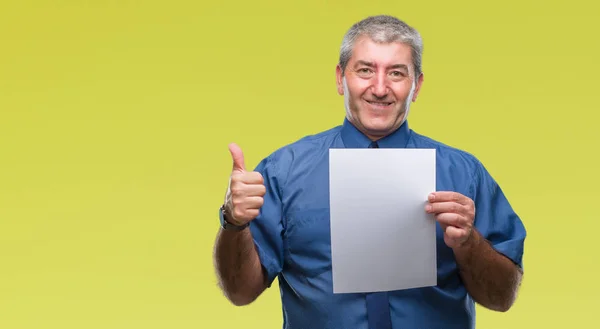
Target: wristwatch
227, 225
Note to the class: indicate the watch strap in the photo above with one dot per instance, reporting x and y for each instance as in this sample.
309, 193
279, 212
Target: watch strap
226, 225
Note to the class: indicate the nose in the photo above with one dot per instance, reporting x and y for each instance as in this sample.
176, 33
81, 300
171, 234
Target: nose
379, 87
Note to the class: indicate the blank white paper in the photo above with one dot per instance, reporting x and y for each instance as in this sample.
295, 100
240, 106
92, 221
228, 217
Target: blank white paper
381, 237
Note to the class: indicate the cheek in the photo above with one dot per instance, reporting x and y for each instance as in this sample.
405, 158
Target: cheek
403, 92
357, 88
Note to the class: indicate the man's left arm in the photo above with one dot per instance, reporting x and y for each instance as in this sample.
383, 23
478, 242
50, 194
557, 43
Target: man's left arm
490, 277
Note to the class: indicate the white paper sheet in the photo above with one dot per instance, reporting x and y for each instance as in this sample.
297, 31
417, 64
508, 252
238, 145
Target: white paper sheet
381, 237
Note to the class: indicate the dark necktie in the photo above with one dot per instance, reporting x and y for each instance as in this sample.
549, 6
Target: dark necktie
378, 305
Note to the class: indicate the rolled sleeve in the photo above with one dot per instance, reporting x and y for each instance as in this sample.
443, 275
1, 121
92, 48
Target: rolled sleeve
495, 218
267, 228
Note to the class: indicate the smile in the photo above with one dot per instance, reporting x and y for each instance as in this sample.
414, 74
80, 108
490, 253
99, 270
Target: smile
380, 104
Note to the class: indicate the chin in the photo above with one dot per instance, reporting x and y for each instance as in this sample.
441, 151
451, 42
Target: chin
380, 126
378, 123
378, 129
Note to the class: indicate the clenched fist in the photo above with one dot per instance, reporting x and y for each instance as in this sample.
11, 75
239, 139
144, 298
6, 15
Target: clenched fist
245, 192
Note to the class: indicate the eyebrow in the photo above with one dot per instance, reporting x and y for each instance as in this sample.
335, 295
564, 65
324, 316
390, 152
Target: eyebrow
370, 64
399, 66
364, 63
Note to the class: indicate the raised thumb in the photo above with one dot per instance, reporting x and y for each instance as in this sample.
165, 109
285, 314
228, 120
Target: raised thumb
238, 157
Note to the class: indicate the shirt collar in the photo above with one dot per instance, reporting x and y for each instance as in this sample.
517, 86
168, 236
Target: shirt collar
354, 138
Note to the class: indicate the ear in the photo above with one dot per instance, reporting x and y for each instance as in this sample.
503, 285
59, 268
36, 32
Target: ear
339, 77
418, 87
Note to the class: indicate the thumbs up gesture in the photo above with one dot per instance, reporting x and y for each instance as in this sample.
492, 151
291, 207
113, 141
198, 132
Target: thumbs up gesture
245, 192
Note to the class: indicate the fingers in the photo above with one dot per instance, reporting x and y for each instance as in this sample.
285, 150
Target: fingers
249, 178
238, 157
246, 190
445, 196
245, 196
442, 207
455, 237
247, 204
452, 202
241, 190
456, 233
450, 219
245, 208
455, 213
244, 215
253, 202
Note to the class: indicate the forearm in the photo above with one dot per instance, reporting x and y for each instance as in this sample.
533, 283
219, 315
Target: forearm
490, 278
238, 267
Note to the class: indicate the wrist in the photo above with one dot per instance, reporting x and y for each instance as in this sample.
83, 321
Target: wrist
471, 242
227, 223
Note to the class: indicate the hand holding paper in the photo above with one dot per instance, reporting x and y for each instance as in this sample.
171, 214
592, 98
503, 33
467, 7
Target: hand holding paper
455, 213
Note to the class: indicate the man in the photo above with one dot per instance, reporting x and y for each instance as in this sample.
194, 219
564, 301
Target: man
275, 220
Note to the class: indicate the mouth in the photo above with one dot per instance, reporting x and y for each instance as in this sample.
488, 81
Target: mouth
380, 105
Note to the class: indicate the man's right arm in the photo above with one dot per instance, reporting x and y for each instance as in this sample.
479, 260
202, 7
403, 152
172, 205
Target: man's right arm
238, 267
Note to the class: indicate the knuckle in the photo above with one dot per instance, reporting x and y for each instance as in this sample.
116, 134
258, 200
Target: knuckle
235, 186
465, 209
236, 192
458, 218
238, 213
235, 179
255, 176
236, 202
455, 208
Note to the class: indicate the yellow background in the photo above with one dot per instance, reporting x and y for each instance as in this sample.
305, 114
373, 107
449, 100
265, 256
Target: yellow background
115, 118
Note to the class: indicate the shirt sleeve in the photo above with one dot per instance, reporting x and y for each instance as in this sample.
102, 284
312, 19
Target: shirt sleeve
267, 228
495, 219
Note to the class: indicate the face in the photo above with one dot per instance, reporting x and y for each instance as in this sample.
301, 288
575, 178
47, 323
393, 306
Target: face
378, 86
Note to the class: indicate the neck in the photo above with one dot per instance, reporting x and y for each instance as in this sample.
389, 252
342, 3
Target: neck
370, 135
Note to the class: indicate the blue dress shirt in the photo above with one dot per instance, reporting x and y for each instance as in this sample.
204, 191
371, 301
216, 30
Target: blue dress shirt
292, 234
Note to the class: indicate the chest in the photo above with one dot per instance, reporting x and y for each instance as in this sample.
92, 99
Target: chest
307, 237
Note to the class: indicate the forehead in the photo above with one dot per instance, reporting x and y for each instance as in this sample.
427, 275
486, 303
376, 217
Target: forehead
385, 54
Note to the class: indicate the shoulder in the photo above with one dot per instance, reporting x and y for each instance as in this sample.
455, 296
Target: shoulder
307, 144
457, 162
313, 142
301, 150
446, 152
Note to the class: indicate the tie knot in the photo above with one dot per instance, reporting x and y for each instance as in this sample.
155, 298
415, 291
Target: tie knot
373, 145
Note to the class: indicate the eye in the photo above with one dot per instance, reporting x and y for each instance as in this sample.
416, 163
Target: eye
364, 71
398, 74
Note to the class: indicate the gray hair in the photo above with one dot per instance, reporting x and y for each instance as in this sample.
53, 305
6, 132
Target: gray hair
383, 29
